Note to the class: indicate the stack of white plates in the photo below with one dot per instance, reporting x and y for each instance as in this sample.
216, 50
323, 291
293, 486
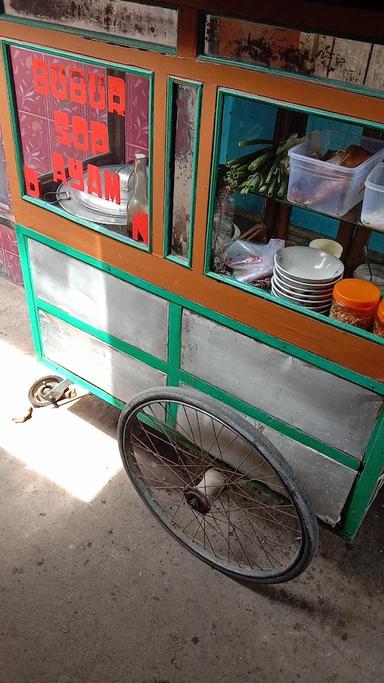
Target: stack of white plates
306, 276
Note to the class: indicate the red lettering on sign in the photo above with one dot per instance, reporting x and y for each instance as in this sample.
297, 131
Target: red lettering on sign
116, 95
40, 76
59, 82
140, 226
80, 133
76, 173
61, 123
58, 168
31, 182
96, 91
94, 180
99, 137
77, 88
112, 186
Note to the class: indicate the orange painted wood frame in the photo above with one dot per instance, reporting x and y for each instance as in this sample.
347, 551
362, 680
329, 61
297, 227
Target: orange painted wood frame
358, 354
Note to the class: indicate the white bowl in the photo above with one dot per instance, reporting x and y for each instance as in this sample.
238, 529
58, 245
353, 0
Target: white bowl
308, 265
312, 307
306, 300
303, 302
302, 293
304, 286
330, 246
323, 299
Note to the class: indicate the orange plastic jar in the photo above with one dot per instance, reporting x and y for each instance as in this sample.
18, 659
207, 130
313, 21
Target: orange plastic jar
355, 302
378, 324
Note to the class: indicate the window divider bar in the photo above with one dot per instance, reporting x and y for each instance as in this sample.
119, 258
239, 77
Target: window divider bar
159, 127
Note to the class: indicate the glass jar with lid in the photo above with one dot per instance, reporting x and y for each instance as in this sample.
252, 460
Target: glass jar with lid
354, 302
378, 323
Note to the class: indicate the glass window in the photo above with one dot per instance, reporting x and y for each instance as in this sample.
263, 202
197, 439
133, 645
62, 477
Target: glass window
183, 115
339, 59
285, 178
122, 19
82, 128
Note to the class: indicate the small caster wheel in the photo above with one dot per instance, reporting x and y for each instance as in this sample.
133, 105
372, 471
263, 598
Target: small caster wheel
40, 392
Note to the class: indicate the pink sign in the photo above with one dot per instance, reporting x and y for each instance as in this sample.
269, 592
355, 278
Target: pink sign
76, 132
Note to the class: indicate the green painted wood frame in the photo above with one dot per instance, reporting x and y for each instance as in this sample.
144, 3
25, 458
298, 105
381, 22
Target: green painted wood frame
221, 94
333, 83
93, 35
135, 71
373, 461
172, 82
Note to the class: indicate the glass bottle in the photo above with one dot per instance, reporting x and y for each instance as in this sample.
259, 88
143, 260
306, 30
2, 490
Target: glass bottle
222, 227
137, 208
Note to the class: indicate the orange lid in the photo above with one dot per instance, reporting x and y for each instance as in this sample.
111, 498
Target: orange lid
380, 311
356, 294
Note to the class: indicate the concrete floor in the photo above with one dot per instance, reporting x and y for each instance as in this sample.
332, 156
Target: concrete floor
92, 590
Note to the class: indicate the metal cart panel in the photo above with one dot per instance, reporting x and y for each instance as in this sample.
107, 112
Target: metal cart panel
327, 407
100, 299
95, 361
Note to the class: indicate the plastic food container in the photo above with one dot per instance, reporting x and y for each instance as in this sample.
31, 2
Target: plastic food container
373, 273
355, 302
323, 186
372, 212
378, 324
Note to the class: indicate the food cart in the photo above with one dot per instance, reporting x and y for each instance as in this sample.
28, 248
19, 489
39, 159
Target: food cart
165, 161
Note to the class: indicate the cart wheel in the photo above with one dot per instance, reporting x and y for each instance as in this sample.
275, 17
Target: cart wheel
217, 485
38, 392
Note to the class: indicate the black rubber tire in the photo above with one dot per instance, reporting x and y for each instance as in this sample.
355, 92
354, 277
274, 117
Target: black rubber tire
49, 381
198, 400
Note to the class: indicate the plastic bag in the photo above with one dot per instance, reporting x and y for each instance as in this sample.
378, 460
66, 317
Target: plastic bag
249, 261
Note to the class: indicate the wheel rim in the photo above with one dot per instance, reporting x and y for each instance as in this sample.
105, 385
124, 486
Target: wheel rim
213, 489
41, 391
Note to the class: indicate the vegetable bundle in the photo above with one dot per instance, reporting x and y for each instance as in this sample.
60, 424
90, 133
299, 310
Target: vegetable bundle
265, 171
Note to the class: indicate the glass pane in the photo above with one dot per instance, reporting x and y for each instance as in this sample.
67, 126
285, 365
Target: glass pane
81, 128
274, 190
311, 54
130, 20
185, 110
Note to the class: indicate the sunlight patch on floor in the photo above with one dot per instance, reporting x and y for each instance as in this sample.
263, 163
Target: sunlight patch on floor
55, 443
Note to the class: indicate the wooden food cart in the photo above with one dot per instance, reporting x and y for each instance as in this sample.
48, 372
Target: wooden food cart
259, 412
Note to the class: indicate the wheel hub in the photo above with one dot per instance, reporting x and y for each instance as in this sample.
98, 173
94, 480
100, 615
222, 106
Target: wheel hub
200, 497
197, 501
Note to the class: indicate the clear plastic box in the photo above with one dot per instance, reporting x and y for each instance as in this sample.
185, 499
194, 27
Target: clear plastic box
326, 187
372, 212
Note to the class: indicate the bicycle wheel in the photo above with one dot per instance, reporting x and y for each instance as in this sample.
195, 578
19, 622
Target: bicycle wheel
217, 485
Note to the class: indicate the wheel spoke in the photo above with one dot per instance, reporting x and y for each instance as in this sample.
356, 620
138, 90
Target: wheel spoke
173, 444
235, 532
253, 524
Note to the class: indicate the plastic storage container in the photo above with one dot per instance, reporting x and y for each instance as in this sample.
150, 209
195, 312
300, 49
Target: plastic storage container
378, 324
355, 302
326, 187
372, 212
373, 273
